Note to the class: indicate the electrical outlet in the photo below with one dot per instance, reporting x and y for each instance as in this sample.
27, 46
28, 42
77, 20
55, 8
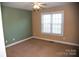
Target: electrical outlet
6, 41
13, 38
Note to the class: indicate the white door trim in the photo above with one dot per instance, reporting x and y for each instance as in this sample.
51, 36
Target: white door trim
2, 44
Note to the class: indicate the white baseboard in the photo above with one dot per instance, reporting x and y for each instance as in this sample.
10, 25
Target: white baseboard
68, 43
18, 42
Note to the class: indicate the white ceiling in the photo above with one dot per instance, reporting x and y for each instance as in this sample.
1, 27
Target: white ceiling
28, 5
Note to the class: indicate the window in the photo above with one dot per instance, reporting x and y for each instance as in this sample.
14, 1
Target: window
52, 23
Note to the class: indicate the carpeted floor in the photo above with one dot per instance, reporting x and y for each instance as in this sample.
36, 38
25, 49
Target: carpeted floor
41, 48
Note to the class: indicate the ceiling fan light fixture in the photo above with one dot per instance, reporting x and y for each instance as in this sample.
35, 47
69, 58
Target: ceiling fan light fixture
36, 7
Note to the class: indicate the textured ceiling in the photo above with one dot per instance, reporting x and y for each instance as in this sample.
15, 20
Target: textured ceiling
28, 5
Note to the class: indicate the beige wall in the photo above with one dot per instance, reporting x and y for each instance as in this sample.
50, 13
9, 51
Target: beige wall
70, 23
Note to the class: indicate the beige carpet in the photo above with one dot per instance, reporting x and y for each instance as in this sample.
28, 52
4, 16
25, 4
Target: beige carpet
41, 48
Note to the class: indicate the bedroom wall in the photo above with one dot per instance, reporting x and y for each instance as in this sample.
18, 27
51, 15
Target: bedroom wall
70, 23
17, 24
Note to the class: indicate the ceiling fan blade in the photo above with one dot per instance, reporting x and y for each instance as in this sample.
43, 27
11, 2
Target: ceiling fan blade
41, 3
38, 5
44, 6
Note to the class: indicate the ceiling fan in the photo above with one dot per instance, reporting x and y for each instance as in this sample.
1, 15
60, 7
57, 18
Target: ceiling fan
38, 5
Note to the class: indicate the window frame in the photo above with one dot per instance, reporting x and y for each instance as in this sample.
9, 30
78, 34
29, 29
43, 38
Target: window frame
62, 24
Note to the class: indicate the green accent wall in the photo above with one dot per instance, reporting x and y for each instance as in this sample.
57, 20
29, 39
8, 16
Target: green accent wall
17, 24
